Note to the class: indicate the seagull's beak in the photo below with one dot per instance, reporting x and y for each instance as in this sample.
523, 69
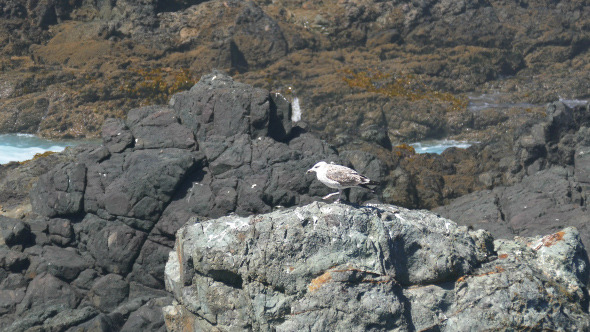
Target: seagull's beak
309, 171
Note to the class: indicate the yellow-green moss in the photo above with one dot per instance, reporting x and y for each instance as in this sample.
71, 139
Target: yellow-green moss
404, 150
400, 85
37, 156
157, 85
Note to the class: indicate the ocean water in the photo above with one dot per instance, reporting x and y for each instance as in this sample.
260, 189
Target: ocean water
573, 102
438, 146
21, 147
492, 100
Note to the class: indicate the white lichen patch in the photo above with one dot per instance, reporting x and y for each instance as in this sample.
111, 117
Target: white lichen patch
231, 226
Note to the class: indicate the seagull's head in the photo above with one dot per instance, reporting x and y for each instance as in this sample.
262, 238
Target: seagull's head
316, 167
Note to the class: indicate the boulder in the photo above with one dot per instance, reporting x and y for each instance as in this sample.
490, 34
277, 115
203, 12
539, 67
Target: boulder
115, 135
149, 317
60, 231
45, 291
106, 216
340, 267
114, 246
225, 146
108, 292
14, 232
61, 191
64, 263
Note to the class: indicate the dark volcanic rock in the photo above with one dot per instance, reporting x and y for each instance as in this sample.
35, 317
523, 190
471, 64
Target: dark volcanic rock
17, 179
115, 135
62, 192
14, 232
337, 267
545, 178
114, 246
149, 317
108, 292
66, 264
45, 291
108, 215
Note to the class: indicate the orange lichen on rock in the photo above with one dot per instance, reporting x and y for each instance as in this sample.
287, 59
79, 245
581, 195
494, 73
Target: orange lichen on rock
157, 85
550, 240
319, 281
499, 269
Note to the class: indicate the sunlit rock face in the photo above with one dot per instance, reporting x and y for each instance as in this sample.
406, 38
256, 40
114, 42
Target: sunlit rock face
375, 267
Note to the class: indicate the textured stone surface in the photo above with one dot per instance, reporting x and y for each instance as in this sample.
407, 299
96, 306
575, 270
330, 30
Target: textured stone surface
108, 292
68, 64
13, 232
377, 267
545, 178
106, 216
111, 212
61, 191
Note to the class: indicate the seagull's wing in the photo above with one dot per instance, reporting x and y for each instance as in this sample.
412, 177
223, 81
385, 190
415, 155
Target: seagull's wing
346, 177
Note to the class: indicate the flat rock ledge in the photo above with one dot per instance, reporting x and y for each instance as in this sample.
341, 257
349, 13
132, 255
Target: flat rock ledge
337, 267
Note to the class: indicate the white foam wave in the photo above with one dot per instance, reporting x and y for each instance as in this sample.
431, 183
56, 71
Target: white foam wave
438, 146
492, 100
573, 102
21, 147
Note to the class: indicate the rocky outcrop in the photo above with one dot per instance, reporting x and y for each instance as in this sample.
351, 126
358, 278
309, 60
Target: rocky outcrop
17, 179
92, 254
67, 66
108, 214
545, 180
377, 267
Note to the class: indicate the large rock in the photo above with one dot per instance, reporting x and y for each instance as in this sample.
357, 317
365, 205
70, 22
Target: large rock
108, 292
61, 192
224, 146
45, 291
14, 232
107, 215
339, 267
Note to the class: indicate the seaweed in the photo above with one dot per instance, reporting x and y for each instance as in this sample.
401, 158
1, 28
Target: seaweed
401, 85
157, 85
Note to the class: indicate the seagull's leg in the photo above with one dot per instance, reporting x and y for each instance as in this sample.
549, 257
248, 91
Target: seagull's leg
339, 194
329, 195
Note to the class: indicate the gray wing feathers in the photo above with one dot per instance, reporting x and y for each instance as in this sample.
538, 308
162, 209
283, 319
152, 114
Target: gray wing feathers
345, 176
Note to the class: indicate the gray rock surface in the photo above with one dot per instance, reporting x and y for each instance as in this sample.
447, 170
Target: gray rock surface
336, 267
105, 217
17, 179
549, 188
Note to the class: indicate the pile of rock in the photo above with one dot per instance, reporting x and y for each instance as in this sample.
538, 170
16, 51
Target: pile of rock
94, 254
68, 65
335, 267
107, 217
545, 177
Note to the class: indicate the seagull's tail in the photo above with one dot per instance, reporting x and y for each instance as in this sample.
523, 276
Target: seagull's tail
370, 183
373, 183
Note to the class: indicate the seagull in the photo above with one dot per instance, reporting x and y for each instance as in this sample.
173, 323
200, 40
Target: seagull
339, 177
